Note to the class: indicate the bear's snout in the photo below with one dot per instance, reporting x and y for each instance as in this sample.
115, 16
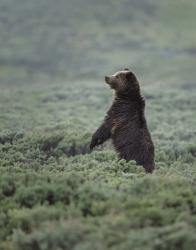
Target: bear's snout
107, 79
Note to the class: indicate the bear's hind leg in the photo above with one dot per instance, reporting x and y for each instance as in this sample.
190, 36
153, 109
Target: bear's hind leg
149, 167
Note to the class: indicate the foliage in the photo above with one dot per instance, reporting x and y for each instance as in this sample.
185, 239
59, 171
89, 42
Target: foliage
55, 193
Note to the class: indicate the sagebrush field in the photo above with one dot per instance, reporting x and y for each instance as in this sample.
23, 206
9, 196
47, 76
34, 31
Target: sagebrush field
54, 193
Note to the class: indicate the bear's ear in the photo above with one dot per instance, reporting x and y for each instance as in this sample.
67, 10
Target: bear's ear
131, 76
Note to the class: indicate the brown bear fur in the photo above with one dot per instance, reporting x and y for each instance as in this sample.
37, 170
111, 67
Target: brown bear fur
125, 122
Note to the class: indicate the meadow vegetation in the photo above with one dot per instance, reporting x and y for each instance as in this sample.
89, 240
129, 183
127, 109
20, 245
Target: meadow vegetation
54, 192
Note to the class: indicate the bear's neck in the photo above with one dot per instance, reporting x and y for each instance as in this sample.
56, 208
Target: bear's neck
133, 102
129, 96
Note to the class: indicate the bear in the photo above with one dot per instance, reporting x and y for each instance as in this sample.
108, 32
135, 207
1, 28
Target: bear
125, 122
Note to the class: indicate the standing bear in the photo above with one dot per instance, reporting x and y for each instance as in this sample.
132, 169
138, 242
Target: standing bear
125, 122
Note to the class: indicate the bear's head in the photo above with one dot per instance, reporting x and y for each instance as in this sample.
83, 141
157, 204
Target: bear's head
123, 81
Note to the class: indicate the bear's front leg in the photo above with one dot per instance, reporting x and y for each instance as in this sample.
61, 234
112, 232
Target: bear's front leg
100, 136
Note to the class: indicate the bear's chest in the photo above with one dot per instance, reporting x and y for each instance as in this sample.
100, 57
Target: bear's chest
120, 123
117, 123
122, 117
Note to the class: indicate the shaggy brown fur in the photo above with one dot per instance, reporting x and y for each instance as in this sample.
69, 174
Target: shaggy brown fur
125, 122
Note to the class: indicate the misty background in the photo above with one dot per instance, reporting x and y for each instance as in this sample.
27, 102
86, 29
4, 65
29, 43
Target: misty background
47, 39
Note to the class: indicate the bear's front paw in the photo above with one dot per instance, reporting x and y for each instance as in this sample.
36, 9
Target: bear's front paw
94, 142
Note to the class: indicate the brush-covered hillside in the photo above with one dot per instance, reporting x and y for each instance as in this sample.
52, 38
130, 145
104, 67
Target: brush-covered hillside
54, 193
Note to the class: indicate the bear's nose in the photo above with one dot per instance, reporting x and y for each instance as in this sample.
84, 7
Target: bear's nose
107, 79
